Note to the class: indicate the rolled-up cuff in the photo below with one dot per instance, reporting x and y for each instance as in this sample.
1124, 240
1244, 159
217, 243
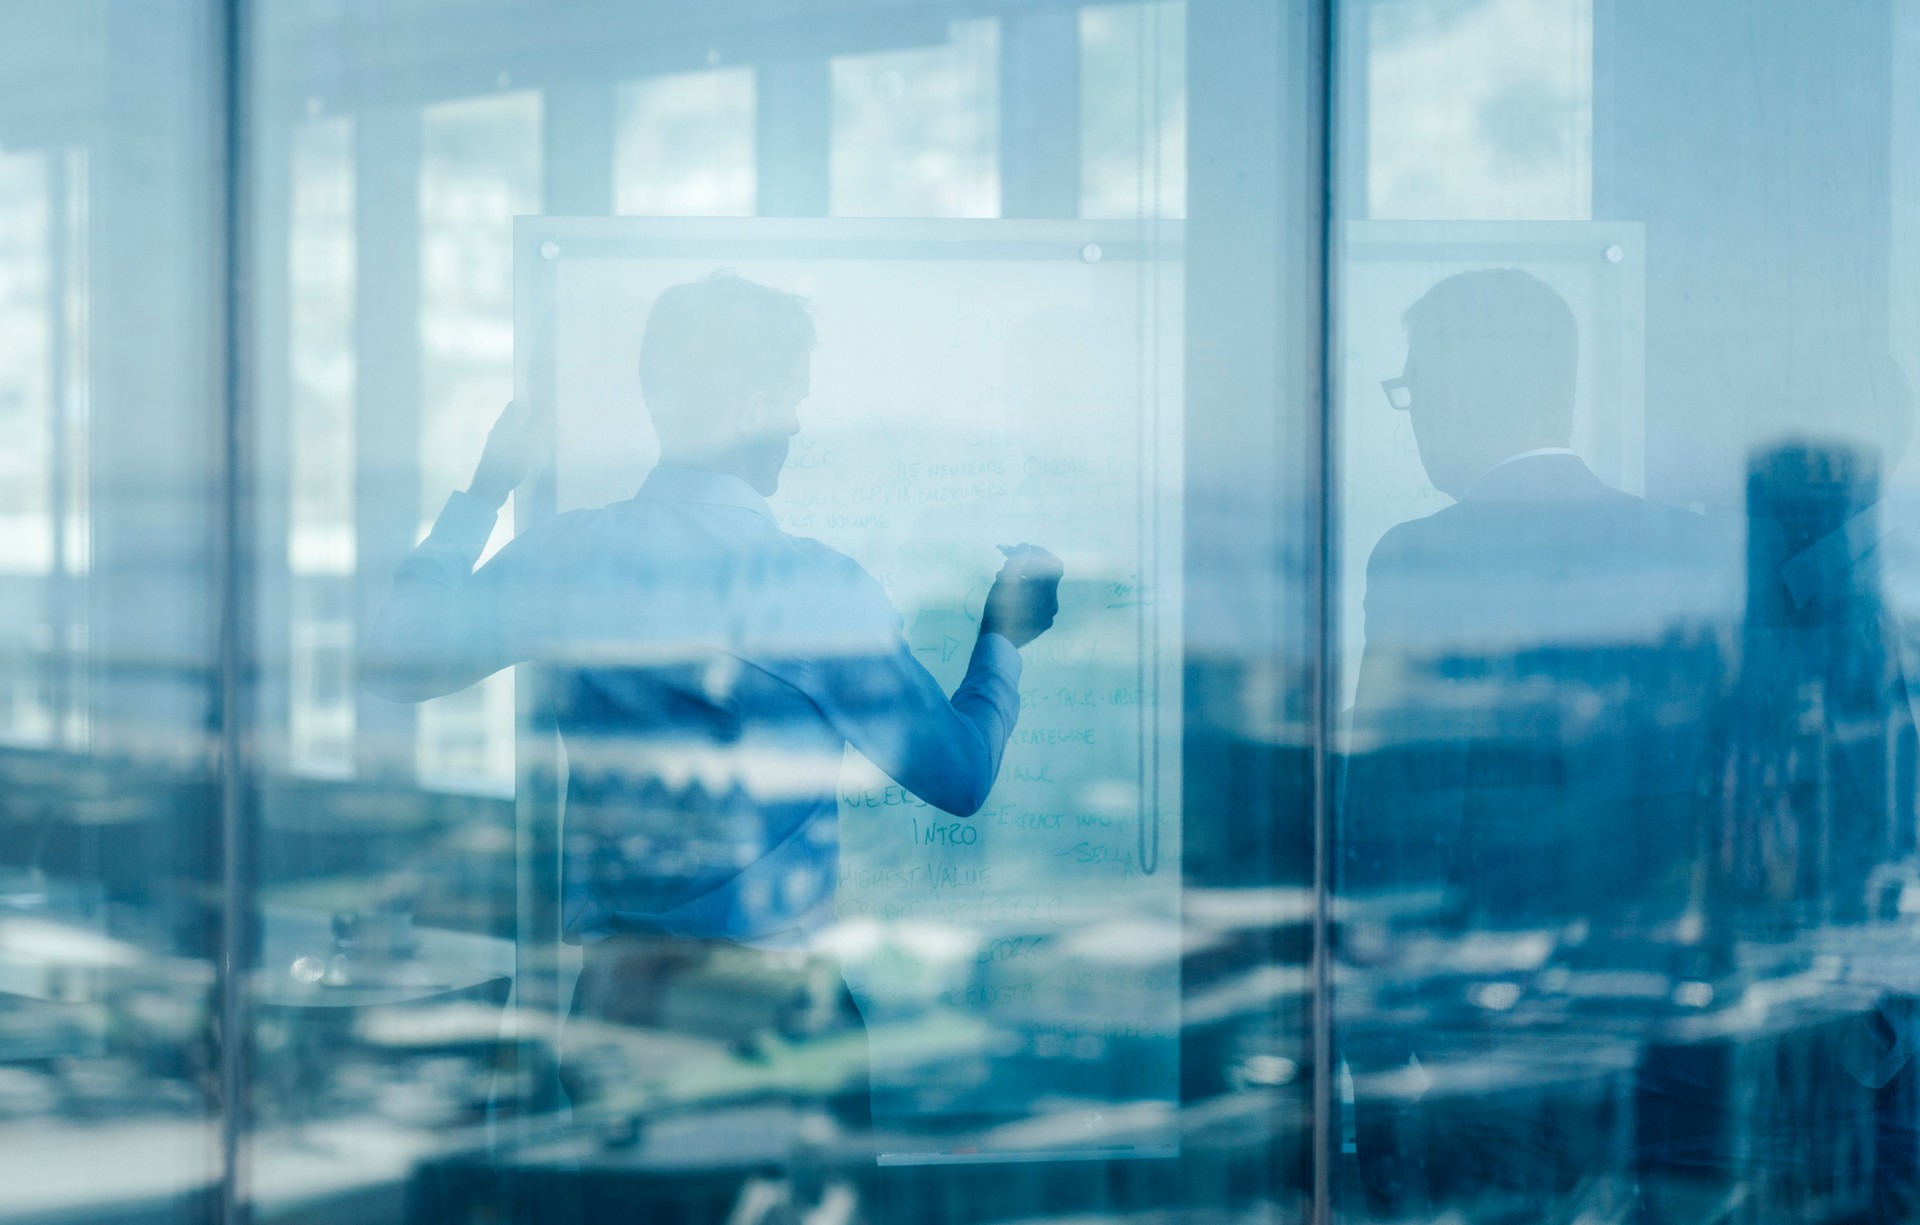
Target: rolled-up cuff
996, 654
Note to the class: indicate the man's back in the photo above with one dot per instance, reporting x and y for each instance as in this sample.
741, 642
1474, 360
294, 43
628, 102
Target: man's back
706, 671
701, 777
1538, 665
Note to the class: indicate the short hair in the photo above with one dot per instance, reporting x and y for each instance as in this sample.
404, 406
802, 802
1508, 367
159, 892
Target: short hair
710, 343
1507, 341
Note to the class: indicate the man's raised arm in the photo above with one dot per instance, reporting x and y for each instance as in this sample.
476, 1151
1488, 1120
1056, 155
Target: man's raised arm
945, 750
442, 629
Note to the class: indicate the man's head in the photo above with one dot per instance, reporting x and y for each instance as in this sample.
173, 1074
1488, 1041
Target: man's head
724, 365
1491, 361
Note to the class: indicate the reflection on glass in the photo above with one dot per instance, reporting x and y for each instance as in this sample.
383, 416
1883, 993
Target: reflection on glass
1617, 606
109, 1064
1006, 927
703, 959
707, 673
1527, 735
1626, 847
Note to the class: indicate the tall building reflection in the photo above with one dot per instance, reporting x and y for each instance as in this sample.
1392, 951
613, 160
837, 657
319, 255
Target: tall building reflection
1811, 803
1728, 1017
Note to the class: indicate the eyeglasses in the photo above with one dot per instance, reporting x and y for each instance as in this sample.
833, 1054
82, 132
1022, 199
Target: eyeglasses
1399, 393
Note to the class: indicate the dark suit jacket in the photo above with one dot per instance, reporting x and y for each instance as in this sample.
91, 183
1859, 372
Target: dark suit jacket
1539, 666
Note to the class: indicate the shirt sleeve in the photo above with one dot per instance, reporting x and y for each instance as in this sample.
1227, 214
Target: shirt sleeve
440, 629
946, 750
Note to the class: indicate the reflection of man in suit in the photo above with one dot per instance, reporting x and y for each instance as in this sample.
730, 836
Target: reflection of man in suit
1527, 718
1529, 715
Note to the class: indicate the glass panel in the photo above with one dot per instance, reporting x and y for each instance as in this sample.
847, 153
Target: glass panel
27, 417
1625, 857
850, 741
722, 823
110, 410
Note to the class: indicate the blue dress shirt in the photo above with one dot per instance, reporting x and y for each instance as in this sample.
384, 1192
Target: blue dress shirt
707, 672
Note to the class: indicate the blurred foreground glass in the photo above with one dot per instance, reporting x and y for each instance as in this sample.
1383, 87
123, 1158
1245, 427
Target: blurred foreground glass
109, 691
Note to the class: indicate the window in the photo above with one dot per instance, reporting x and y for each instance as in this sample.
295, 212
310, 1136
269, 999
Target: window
1133, 141
1085, 611
1629, 743
1478, 110
110, 421
480, 168
320, 546
43, 390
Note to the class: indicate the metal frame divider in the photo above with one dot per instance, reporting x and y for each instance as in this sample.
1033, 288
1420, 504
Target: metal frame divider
234, 573
1323, 357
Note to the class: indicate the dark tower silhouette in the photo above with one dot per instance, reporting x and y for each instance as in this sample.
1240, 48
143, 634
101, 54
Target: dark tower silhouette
1807, 805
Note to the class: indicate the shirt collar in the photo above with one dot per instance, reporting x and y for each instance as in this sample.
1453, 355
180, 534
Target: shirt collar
1514, 459
667, 483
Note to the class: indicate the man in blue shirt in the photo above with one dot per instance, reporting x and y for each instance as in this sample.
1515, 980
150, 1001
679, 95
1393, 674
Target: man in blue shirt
707, 669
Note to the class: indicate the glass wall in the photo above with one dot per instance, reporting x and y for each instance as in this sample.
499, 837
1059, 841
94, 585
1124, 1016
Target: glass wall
1625, 858
958, 611
112, 724
778, 606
